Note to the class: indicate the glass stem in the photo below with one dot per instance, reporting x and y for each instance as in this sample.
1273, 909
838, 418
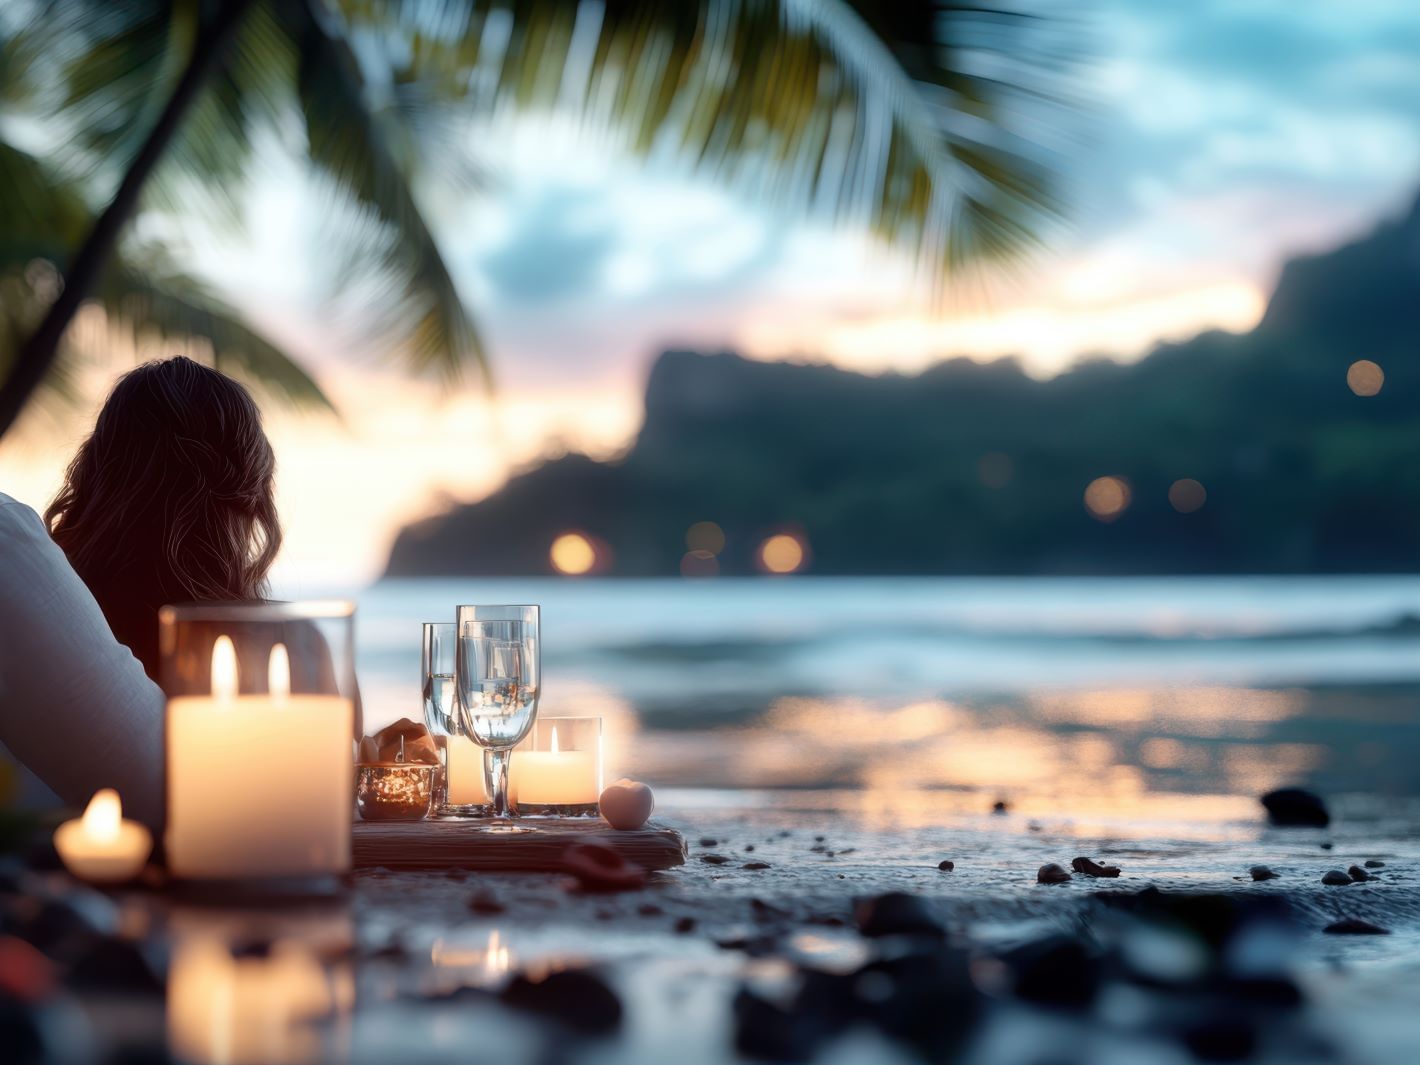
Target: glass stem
495, 776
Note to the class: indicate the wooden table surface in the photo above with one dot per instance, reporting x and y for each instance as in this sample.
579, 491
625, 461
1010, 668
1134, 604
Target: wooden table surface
466, 845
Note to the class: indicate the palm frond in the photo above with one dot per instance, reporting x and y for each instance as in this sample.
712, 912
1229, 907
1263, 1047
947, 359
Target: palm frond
358, 147
144, 294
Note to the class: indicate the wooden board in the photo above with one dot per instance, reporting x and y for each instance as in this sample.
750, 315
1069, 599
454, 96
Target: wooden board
461, 845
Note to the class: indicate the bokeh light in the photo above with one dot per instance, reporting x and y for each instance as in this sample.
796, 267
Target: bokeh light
572, 554
1187, 495
781, 553
699, 563
995, 469
1106, 498
705, 536
1365, 377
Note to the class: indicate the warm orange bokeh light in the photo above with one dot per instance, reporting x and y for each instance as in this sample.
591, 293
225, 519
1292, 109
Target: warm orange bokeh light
705, 536
1187, 495
781, 553
1365, 378
572, 554
1106, 498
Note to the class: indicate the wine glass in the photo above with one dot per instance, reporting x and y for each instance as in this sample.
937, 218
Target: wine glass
497, 676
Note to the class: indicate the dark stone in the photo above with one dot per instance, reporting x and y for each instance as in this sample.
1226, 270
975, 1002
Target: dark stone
1335, 878
1371, 863
759, 945
1327, 845
599, 868
578, 998
114, 965
1261, 872
1050, 873
756, 866
1358, 874
1058, 971
1000, 806
925, 998
1354, 926
946, 865
749, 848
1033, 826
708, 841
1295, 807
649, 909
22, 1034
895, 914
770, 1032
818, 848
830, 920
763, 911
684, 925
1090, 867
485, 902
820, 839
1221, 1039
714, 859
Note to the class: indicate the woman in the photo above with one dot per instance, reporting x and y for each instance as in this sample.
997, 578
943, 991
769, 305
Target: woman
169, 500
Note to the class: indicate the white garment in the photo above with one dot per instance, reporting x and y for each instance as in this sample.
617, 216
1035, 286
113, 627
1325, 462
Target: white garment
76, 708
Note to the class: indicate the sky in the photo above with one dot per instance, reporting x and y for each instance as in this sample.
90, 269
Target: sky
1223, 136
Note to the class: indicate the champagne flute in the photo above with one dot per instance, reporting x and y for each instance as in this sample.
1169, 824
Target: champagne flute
497, 678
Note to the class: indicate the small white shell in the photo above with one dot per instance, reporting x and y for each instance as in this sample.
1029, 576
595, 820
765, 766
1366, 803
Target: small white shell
627, 804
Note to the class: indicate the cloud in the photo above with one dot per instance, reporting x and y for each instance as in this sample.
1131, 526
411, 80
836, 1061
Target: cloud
556, 249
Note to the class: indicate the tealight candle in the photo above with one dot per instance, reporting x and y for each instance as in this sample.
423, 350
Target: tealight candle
102, 846
566, 776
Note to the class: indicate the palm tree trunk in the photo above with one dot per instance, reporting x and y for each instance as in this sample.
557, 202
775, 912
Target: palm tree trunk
38, 353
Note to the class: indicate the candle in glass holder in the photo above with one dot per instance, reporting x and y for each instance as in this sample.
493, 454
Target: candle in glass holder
560, 768
101, 846
464, 768
258, 784
402, 791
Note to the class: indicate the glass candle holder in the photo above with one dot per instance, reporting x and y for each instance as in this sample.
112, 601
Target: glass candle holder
260, 727
557, 770
402, 791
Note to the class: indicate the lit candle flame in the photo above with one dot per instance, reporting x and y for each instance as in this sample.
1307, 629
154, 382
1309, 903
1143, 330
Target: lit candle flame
554, 739
103, 816
224, 669
278, 673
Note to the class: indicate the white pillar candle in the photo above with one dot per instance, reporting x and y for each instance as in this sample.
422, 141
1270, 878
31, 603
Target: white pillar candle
258, 785
101, 846
553, 777
464, 765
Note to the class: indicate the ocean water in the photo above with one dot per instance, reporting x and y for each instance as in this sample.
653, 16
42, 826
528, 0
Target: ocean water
1159, 697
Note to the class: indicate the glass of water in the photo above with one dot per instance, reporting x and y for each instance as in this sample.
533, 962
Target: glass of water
497, 677
461, 792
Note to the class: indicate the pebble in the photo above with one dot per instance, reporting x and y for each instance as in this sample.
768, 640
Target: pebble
1058, 971
1261, 872
1000, 806
1327, 845
946, 865
485, 902
895, 914
649, 909
1295, 807
1354, 926
684, 925
749, 847
756, 866
714, 859
1358, 874
1371, 863
708, 841
1335, 877
1050, 873
1092, 868
626, 804
579, 998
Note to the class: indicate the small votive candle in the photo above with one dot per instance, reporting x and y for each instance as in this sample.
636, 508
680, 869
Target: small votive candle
558, 769
398, 791
102, 846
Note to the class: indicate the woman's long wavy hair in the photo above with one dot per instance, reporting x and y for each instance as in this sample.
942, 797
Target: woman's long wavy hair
170, 499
